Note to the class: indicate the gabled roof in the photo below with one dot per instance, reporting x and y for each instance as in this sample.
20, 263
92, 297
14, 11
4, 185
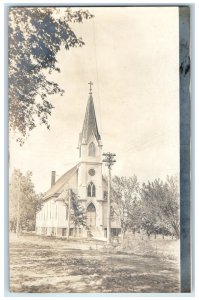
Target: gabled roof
59, 184
63, 196
90, 123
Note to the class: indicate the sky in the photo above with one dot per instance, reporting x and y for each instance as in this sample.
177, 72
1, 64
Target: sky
131, 55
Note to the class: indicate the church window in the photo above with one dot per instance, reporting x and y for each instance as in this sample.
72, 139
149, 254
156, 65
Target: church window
91, 149
91, 172
91, 190
91, 215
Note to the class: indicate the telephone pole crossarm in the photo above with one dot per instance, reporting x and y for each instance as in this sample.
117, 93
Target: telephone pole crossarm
109, 159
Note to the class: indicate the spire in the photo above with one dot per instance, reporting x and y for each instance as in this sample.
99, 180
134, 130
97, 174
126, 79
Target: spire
90, 123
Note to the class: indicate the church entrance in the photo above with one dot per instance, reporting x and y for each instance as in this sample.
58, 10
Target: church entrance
91, 215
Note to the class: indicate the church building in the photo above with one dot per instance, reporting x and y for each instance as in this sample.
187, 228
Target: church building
85, 179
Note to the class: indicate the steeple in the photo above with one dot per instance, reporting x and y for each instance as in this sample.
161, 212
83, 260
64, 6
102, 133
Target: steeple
90, 157
90, 123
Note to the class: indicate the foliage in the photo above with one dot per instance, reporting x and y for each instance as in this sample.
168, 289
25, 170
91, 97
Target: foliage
160, 202
126, 204
78, 213
22, 199
36, 34
153, 208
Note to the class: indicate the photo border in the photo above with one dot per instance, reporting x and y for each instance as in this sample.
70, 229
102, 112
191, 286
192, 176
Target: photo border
186, 191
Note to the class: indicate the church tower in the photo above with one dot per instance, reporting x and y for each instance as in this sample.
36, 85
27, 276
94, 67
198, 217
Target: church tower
90, 168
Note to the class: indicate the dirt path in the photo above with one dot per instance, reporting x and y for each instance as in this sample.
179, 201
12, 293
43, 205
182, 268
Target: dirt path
60, 267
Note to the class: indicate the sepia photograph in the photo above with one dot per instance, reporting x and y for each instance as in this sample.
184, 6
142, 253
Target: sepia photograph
94, 149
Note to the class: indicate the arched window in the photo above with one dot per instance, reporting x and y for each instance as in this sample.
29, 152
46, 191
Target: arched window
91, 190
91, 215
91, 149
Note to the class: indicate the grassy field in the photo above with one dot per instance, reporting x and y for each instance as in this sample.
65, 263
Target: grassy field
49, 265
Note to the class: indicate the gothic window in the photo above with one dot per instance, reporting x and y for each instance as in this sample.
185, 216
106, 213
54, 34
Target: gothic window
91, 190
91, 215
91, 149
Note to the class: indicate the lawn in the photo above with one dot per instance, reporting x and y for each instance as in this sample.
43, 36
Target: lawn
50, 265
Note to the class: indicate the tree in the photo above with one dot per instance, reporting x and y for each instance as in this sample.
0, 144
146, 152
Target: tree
125, 202
36, 34
78, 213
161, 205
23, 202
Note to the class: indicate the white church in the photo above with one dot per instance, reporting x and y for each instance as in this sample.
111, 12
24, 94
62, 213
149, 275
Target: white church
86, 180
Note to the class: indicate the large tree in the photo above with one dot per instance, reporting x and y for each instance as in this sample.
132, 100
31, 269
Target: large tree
36, 34
126, 202
23, 201
160, 202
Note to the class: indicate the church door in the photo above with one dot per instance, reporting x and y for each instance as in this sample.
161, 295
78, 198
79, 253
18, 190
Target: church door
91, 215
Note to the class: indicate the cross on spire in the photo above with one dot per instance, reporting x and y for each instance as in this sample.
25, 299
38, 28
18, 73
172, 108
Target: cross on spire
90, 83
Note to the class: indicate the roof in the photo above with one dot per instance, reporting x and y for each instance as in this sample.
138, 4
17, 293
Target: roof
63, 196
90, 123
59, 184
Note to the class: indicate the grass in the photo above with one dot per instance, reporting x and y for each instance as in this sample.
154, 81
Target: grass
143, 246
49, 265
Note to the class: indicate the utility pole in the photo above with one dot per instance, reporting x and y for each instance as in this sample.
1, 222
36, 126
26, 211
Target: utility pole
109, 161
69, 206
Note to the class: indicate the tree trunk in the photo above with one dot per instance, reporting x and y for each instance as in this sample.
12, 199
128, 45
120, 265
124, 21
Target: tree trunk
177, 233
18, 217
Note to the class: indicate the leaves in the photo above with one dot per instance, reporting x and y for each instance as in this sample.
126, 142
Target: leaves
125, 192
154, 207
36, 34
78, 213
160, 201
21, 192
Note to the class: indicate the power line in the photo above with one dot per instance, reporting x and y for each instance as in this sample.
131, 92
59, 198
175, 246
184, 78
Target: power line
97, 73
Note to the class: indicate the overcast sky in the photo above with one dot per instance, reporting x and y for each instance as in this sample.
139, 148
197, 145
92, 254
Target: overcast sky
131, 55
